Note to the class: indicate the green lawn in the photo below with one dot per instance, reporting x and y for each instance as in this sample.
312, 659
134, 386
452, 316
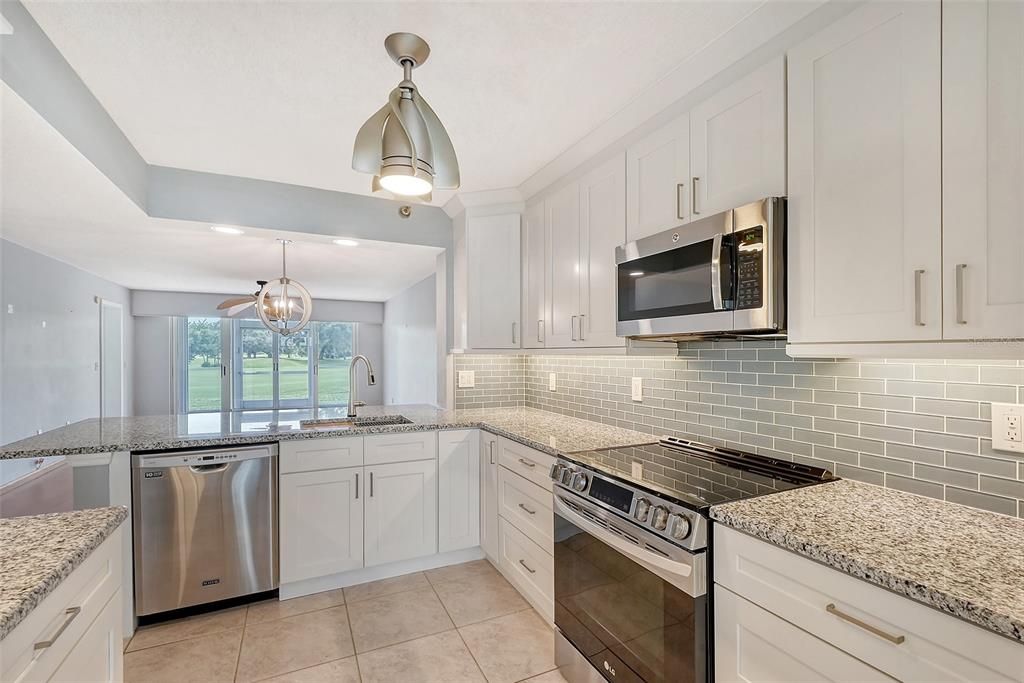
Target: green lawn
257, 381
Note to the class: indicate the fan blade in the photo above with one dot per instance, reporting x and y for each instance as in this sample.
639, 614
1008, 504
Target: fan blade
228, 303
394, 101
367, 151
446, 166
238, 308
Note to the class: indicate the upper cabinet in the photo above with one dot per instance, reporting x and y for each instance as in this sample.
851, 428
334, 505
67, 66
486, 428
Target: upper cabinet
738, 143
562, 227
533, 276
493, 283
657, 180
865, 191
602, 216
983, 169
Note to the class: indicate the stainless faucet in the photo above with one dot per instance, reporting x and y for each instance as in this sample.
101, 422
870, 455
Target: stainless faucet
370, 380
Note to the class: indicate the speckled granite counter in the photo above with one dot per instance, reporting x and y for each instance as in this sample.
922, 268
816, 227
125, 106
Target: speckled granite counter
38, 552
963, 561
540, 429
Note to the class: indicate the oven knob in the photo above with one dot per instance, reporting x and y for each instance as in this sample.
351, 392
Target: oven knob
659, 520
565, 476
556, 471
579, 482
680, 527
643, 506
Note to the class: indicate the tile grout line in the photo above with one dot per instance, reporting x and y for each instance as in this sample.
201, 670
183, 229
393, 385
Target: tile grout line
456, 629
352, 637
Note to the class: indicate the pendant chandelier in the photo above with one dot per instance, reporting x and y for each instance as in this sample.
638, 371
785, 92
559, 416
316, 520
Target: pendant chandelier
404, 145
283, 305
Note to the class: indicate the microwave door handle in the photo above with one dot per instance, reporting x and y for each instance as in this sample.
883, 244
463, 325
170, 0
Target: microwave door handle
716, 272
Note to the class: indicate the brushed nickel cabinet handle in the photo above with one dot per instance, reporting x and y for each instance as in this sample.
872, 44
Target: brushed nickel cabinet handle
528, 568
895, 640
918, 320
71, 613
490, 448
540, 331
526, 462
680, 191
572, 328
528, 510
357, 486
513, 333
960, 319
583, 320
371, 484
693, 193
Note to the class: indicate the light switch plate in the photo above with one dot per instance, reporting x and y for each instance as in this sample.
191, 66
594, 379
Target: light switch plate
637, 469
637, 389
467, 379
1008, 427
551, 381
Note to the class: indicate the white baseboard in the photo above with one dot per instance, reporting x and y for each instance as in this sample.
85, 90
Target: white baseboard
385, 571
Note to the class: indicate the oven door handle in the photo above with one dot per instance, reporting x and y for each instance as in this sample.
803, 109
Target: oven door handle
716, 272
680, 574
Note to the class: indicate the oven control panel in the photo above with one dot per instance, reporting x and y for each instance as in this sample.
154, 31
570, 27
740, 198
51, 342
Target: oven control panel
674, 522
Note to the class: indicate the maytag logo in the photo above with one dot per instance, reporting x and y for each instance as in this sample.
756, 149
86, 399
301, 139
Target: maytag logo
211, 582
154, 475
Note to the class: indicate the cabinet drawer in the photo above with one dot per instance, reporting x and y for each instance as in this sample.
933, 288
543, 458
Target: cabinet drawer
527, 506
64, 616
935, 646
403, 447
97, 657
752, 644
526, 462
529, 568
320, 454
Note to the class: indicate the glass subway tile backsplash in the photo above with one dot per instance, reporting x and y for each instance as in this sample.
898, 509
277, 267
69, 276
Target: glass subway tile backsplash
916, 425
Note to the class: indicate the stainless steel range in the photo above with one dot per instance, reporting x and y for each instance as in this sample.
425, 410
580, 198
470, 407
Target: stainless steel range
631, 555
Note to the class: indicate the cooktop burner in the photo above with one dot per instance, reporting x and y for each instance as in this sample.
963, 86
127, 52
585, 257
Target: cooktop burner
696, 475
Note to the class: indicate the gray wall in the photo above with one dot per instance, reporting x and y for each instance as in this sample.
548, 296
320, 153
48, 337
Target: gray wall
153, 371
369, 342
915, 425
49, 374
410, 345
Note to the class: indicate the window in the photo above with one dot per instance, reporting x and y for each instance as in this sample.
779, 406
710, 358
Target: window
241, 365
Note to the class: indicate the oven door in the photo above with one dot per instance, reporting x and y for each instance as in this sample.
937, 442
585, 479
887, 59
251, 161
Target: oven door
678, 282
629, 606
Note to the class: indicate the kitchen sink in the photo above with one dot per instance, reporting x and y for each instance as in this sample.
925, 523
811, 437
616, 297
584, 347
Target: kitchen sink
355, 422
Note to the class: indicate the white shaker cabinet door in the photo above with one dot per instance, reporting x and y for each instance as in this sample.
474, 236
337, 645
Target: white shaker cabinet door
865, 228
602, 228
983, 169
533, 276
562, 210
458, 490
492, 254
401, 511
489, 533
97, 657
753, 645
321, 523
738, 142
657, 180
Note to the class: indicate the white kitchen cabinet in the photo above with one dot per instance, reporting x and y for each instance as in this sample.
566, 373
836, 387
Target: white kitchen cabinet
528, 567
602, 229
321, 523
458, 490
983, 169
308, 455
562, 225
400, 447
895, 635
657, 180
493, 281
400, 511
534, 249
753, 645
738, 142
98, 655
864, 177
489, 539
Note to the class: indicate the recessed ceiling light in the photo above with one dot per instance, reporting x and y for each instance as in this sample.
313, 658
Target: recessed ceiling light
346, 243
225, 230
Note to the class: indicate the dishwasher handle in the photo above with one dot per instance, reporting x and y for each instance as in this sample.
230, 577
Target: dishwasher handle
208, 469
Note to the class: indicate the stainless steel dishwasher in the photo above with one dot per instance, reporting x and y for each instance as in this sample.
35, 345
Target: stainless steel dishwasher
205, 526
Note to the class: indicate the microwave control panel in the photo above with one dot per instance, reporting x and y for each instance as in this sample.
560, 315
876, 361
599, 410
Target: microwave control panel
749, 268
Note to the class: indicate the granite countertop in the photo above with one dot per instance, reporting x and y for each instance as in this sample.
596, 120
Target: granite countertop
957, 559
550, 432
38, 552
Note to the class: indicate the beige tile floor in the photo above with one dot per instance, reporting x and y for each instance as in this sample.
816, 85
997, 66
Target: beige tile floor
448, 625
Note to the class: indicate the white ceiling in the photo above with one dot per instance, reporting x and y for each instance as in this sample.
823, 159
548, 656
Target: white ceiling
277, 90
57, 203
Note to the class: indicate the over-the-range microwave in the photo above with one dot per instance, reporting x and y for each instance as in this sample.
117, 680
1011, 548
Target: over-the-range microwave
720, 276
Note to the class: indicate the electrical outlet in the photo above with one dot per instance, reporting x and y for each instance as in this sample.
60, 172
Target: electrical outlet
637, 389
467, 379
637, 470
1008, 427
551, 381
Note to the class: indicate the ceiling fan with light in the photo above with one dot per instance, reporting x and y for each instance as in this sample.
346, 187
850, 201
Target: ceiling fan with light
283, 305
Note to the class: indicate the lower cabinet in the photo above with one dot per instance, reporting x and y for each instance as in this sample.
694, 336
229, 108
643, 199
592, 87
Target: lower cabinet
400, 511
97, 656
458, 490
321, 523
489, 495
